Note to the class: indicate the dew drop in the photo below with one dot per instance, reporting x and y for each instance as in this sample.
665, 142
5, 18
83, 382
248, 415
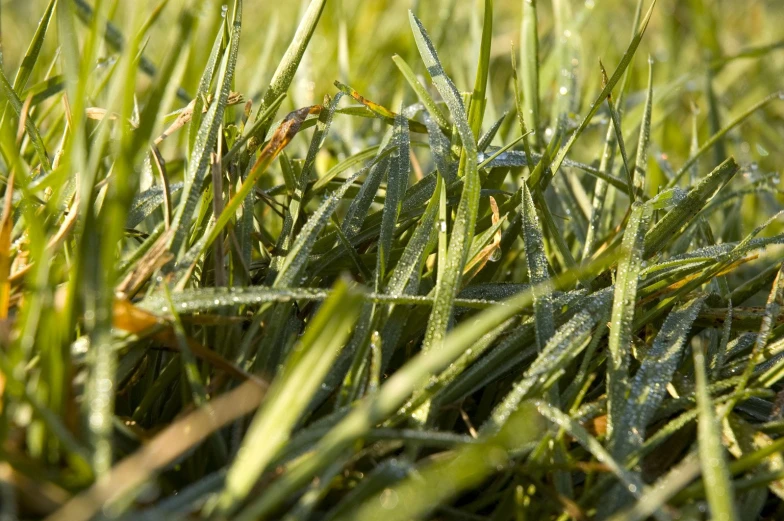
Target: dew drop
563, 91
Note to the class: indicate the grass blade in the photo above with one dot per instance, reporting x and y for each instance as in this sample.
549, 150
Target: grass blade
712, 456
303, 372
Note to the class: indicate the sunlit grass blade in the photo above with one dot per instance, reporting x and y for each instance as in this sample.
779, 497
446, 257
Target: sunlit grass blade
436, 482
287, 68
641, 163
712, 454
301, 375
529, 58
476, 109
421, 91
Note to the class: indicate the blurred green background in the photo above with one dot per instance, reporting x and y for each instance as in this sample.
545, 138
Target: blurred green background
693, 43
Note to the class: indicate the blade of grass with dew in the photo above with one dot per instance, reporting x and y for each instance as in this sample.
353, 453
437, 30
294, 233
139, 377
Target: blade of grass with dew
563, 347
397, 181
712, 455
622, 319
648, 388
641, 163
665, 230
538, 268
360, 205
390, 396
465, 216
202, 92
422, 94
205, 141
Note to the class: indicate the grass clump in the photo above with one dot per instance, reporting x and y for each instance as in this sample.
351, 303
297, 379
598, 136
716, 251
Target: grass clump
556, 295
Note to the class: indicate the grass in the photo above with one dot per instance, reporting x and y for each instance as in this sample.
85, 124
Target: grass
341, 260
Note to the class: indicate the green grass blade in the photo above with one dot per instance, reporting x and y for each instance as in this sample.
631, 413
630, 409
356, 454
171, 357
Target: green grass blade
622, 319
7, 92
666, 229
529, 58
712, 457
641, 163
202, 92
465, 217
476, 109
538, 268
421, 92
648, 387
301, 375
397, 181
206, 140
287, 68
34, 50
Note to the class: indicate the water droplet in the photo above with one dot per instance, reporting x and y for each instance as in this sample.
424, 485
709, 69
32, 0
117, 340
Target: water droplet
224, 10
388, 499
563, 91
496, 255
442, 226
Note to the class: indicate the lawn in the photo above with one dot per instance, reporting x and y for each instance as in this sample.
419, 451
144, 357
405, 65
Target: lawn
392, 260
